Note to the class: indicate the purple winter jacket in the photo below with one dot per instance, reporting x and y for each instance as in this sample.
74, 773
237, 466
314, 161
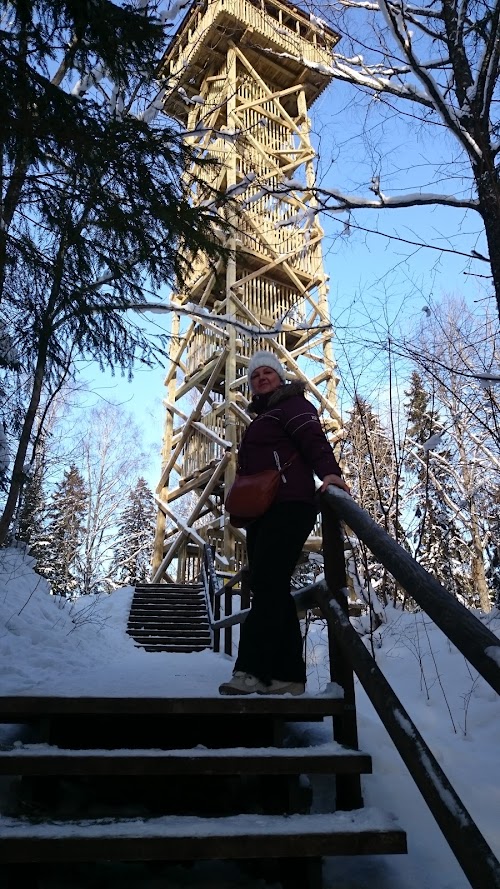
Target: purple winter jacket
289, 424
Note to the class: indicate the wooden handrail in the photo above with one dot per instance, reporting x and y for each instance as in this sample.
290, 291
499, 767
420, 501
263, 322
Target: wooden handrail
232, 620
475, 641
460, 831
469, 635
228, 586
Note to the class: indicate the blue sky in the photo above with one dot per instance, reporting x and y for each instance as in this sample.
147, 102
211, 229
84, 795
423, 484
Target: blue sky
377, 283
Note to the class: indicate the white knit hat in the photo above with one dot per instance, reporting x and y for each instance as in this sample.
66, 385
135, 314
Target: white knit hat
265, 359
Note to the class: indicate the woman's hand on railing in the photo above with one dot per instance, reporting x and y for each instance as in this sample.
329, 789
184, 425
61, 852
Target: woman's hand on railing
334, 480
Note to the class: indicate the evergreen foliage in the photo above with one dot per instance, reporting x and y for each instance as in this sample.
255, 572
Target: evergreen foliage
374, 476
95, 209
436, 540
64, 534
136, 529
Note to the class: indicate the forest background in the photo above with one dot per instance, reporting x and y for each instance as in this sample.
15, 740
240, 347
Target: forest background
412, 301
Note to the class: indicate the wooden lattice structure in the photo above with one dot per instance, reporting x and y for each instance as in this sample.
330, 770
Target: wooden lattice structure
242, 78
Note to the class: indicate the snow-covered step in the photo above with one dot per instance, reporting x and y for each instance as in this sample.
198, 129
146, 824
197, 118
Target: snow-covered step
363, 831
161, 587
44, 759
153, 623
308, 707
179, 643
170, 618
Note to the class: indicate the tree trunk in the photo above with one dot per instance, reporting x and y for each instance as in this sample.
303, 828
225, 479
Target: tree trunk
24, 440
488, 191
478, 572
477, 555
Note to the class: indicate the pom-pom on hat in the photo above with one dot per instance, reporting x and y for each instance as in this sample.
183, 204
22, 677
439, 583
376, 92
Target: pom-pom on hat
265, 359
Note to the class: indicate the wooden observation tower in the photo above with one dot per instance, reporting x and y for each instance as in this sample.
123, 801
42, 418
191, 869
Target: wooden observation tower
243, 75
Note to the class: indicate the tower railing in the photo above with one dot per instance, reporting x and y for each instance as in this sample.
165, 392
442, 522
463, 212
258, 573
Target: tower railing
273, 22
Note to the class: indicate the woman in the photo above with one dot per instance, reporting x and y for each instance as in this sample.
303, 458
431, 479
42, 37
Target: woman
270, 659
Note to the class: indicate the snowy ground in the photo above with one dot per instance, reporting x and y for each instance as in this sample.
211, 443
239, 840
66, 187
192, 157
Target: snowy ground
48, 646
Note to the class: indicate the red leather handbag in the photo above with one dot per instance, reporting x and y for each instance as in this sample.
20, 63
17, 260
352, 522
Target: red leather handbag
250, 496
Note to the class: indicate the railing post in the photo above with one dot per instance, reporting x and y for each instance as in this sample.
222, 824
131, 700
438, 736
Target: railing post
345, 728
228, 631
245, 589
216, 612
214, 600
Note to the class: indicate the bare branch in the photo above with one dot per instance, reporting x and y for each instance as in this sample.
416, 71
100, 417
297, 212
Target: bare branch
381, 201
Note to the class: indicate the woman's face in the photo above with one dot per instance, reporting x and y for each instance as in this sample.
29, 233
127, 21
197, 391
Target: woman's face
265, 379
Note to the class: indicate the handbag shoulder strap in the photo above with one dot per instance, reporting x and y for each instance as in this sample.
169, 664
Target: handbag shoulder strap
281, 468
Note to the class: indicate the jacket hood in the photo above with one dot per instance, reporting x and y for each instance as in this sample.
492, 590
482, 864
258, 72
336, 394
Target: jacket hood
260, 403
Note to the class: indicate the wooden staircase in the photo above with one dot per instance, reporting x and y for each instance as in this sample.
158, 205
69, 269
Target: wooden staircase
162, 780
170, 617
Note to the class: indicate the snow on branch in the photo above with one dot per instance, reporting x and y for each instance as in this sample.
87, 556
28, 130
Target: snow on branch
201, 131
487, 380
88, 80
168, 16
219, 323
241, 187
378, 83
434, 441
343, 201
374, 7
397, 24
154, 108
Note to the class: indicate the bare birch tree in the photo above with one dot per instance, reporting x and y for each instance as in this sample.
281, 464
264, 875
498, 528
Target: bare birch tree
111, 458
455, 352
434, 65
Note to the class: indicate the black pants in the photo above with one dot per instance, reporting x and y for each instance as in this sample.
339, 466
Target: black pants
270, 639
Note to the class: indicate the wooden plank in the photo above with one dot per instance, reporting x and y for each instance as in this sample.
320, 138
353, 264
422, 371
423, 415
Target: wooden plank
172, 649
364, 832
26, 707
153, 629
195, 415
169, 587
195, 624
157, 611
40, 759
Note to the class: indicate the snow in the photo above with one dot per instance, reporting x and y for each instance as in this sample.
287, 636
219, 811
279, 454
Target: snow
236, 825
433, 442
487, 380
328, 749
54, 647
169, 15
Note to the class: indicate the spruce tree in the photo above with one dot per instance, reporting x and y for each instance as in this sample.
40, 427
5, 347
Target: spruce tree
374, 477
135, 535
64, 534
94, 205
435, 538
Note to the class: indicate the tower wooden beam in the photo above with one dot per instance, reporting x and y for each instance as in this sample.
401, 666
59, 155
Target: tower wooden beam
258, 69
